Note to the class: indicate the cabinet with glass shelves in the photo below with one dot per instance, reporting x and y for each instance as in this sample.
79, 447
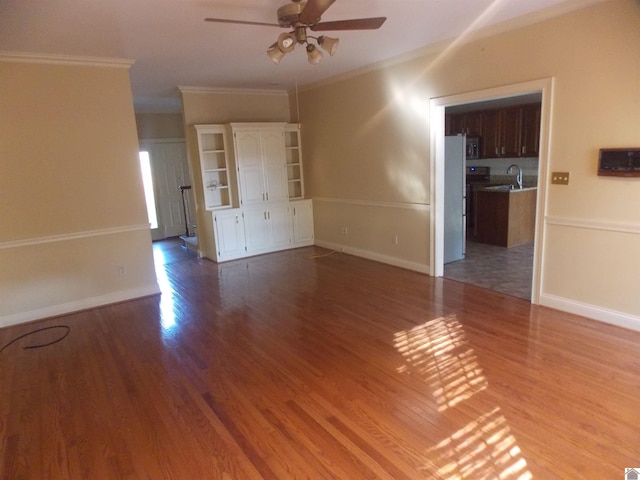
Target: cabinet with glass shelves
293, 151
212, 149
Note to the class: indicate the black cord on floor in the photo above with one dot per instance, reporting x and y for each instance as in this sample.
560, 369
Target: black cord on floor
67, 328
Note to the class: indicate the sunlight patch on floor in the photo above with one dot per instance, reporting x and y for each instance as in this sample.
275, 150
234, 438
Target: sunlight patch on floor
484, 448
439, 352
167, 304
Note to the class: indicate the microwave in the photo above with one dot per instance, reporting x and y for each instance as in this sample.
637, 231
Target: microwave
473, 148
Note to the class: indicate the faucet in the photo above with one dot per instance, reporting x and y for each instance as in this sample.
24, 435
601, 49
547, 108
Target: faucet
518, 176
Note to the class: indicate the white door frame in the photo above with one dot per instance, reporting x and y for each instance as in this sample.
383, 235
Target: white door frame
436, 224
148, 145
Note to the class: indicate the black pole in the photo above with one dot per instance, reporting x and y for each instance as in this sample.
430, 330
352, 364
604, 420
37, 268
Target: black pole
184, 207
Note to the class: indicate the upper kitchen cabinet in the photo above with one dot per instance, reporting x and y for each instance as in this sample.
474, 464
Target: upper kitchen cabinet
501, 132
260, 155
530, 136
506, 132
467, 123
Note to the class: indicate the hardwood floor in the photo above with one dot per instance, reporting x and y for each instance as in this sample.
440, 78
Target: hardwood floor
301, 364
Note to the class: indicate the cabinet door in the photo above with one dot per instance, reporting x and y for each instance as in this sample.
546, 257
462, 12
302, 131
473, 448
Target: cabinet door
229, 231
454, 124
256, 230
490, 134
530, 139
249, 158
510, 125
473, 124
302, 216
280, 228
274, 165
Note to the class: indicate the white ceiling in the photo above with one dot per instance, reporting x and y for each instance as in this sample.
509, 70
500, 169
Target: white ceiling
172, 46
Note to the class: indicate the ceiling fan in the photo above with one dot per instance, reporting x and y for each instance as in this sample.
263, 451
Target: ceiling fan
300, 15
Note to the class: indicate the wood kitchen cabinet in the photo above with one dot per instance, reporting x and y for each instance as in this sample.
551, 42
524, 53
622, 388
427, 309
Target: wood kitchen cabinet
505, 218
468, 123
507, 132
501, 132
530, 132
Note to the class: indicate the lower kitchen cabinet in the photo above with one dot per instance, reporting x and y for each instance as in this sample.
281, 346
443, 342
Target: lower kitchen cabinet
229, 234
505, 218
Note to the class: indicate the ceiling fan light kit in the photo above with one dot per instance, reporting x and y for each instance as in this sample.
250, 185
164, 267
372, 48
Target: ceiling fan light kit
328, 44
275, 53
301, 15
315, 55
287, 42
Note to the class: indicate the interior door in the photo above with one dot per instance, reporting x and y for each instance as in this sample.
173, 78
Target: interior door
170, 170
454, 198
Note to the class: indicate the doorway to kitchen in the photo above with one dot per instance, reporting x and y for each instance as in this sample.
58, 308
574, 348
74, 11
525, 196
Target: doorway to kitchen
510, 262
500, 174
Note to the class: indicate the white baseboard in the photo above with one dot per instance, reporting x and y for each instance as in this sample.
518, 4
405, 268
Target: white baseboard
594, 312
77, 305
396, 262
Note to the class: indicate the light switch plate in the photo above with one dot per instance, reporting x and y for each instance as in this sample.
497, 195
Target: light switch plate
560, 178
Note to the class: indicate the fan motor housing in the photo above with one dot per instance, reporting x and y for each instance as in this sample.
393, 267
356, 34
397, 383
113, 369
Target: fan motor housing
288, 14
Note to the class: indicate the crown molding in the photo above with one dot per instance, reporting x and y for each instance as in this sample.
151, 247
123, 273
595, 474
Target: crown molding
467, 37
231, 91
52, 59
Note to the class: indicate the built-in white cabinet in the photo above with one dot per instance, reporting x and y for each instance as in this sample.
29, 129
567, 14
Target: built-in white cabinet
229, 234
253, 182
214, 167
261, 163
293, 155
302, 222
268, 229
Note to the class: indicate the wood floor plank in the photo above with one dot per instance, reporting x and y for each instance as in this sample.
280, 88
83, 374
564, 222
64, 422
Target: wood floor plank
301, 365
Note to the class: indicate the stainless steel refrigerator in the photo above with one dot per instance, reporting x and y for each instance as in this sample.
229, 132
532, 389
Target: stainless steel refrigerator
454, 198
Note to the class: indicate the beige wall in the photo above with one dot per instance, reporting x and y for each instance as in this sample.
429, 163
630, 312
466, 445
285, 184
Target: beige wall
159, 125
367, 150
74, 231
219, 107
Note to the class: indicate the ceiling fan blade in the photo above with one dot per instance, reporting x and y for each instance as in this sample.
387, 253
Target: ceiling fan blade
313, 10
354, 24
240, 22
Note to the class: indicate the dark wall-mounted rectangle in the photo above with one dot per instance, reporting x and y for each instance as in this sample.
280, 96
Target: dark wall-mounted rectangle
619, 162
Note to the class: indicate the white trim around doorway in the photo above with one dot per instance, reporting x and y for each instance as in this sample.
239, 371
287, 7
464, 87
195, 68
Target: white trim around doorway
436, 111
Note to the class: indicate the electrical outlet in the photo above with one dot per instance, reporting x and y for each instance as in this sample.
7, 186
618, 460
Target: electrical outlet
395, 240
121, 270
560, 178
344, 231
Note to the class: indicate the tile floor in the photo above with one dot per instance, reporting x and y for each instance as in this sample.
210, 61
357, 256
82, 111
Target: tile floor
506, 270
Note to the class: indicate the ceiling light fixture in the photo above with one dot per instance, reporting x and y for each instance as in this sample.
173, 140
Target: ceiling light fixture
287, 42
